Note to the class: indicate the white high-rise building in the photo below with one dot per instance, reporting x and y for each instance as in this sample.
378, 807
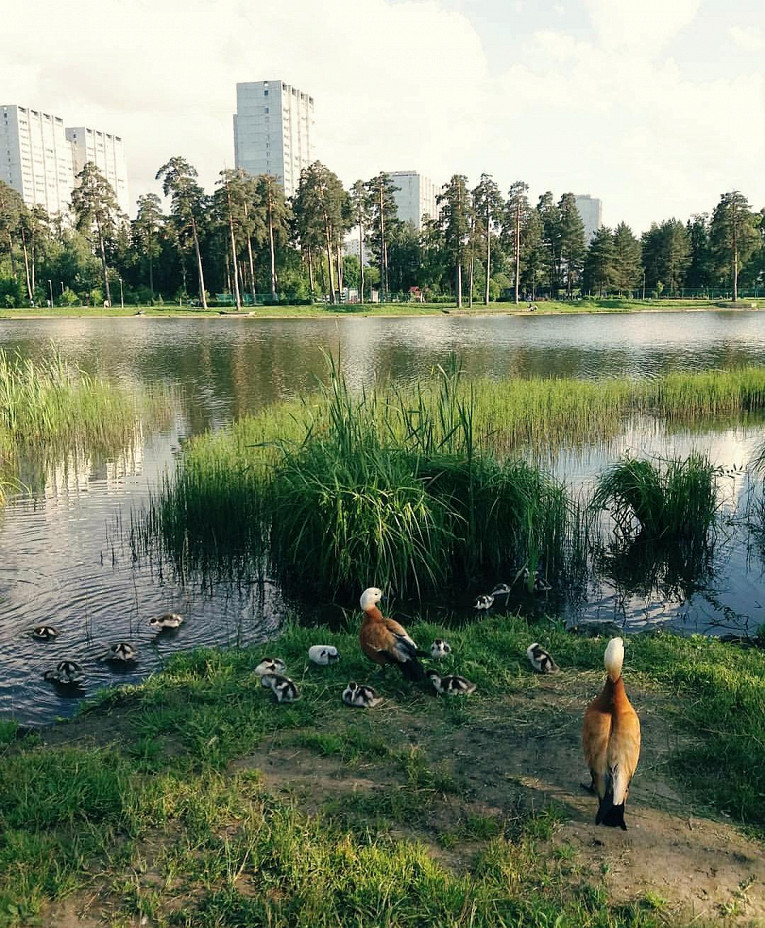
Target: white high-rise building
36, 158
107, 152
591, 211
273, 131
415, 198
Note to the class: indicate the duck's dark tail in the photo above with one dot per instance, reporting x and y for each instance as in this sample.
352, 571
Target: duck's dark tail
608, 813
412, 669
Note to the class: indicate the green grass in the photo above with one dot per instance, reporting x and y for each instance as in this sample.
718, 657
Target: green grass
225, 850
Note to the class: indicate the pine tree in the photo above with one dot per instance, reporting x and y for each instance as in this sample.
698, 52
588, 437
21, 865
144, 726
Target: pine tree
454, 219
95, 207
733, 235
628, 267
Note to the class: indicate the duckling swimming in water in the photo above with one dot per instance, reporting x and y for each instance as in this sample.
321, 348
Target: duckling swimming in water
453, 685
270, 665
323, 654
67, 673
167, 620
284, 689
540, 660
439, 649
360, 696
484, 602
121, 652
44, 632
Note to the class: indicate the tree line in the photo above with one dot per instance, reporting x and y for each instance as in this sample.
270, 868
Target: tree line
247, 243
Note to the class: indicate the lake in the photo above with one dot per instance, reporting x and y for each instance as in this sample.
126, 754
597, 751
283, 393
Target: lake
64, 559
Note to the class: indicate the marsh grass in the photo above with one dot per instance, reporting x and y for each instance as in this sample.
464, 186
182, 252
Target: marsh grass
186, 835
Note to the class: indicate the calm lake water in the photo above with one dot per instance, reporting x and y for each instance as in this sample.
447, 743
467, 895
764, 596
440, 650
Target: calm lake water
63, 559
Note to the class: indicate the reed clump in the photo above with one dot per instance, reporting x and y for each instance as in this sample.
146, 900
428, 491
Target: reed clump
678, 500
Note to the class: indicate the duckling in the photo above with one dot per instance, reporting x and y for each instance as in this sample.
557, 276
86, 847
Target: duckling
44, 632
539, 584
270, 665
67, 673
484, 602
167, 620
611, 741
453, 685
360, 696
540, 659
501, 589
439, 649
384, 641
284, 689
323, 654
122, 652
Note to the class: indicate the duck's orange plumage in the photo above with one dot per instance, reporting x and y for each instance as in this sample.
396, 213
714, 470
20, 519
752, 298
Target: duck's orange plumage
611, 740
385, 641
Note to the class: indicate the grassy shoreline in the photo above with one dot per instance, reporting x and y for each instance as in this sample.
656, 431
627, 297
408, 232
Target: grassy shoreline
195, 799
548, 307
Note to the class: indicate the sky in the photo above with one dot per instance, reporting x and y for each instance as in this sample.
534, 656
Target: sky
657, 107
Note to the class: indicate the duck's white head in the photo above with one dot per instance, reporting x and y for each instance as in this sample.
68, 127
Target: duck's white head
614, 658
370, 597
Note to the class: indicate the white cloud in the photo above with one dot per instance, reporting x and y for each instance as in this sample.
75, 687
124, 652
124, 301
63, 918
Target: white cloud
748, 38
645, 25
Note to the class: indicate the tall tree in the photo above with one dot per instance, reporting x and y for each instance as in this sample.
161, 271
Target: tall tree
361, 210
11, 208
275, 216
487, 205
147, 229
733, 235
188, 205
599, 273
666, 255
628, 267
96, 211
535, 256
454, 218
517, 221
549, 213
573, 246
700, 273
384, 220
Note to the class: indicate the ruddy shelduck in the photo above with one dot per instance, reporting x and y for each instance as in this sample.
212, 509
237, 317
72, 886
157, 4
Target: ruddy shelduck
611, 739
384, 641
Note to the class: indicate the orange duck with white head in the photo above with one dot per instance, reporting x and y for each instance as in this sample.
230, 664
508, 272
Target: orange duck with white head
384, 641
611, 740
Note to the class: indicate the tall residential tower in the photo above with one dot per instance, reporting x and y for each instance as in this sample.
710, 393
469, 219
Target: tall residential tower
107, 152
591, 211
36, 158
273, 131
415, 197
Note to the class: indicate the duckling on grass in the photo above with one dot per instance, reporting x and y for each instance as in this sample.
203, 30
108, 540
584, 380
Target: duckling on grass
540, 660
284, 689
167, 620
360, 696
270, 665
440, 649
501, 589
44, 632
66, 673
483, 602
323, 654
453, 685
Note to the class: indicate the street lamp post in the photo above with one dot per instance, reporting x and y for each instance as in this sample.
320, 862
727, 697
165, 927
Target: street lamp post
122, 297
50, 287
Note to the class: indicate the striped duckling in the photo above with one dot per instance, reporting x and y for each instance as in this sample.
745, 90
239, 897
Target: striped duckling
360, 696
270, 665
284, 689
453, 685
120, 652
440, 649
44, 632
323, 654
540, 660
502, 589
483, 602
66, 673
539, 583
166, 620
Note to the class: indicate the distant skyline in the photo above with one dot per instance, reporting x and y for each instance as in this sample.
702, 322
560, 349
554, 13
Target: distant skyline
655, 108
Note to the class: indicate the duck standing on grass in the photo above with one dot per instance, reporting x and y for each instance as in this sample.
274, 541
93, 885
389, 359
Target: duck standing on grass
611, 740
284, 689
384, 641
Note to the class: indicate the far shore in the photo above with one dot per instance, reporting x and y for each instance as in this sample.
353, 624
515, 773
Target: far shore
323, 310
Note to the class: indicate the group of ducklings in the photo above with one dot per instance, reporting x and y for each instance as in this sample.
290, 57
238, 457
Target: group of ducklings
70, 673
539, 584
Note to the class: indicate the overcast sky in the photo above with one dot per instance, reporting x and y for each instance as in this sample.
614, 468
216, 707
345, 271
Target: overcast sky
655, 106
